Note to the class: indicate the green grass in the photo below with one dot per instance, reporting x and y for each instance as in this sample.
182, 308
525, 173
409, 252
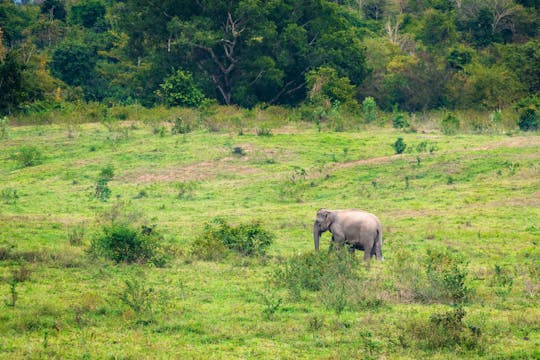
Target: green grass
477, 195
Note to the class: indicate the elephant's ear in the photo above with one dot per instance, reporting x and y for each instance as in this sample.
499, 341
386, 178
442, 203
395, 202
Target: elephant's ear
330, 217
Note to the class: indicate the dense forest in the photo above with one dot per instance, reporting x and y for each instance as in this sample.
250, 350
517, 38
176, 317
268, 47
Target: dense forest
410, 55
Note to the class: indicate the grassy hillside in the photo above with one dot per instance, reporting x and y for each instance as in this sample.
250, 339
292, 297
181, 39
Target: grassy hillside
464, 205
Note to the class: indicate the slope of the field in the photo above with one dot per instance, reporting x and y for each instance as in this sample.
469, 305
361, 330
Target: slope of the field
478, 195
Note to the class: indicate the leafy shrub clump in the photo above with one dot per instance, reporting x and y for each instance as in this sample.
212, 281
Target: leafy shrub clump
447, 331
400, 122
337, 275
529, 119
399, 145
218, 237
450, 124
27, 156
102, 190
369, 108
180, 126
180, 89
129, 244
9, 195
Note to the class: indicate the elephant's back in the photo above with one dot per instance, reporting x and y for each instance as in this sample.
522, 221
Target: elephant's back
358, 214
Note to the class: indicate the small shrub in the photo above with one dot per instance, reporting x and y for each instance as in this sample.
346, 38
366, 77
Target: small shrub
263, 131
138, 298
186, 190
4, 127
450, 124
76, 234
502, 281
302, 272
446, 275
9, 196
180, 126
18, 276
27, 156
272, 303
369, 108
237, 150
126, 243
107, 172
399, 145
529, 119
447, 330
400, 122
218, 236
102, 190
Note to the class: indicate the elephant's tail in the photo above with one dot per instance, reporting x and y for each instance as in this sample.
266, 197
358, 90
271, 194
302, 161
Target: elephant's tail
377, 249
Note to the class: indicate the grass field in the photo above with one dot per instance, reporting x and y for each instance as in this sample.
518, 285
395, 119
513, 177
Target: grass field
473, 198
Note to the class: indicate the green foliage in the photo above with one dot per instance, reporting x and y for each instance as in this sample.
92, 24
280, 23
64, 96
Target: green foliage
448, 330
249, 239
502, 281
303, 272
75, 234
27, 156
450, 124
437, 28
9, 195
180, 89
529, 113
263, 131
272, 302
446, 275
369, 108
74, 63
101, 189
128, 244
399, 145
186, 190
326, 88
54, 9
181, 126
88, 13
4, 128
138, 298
399, 121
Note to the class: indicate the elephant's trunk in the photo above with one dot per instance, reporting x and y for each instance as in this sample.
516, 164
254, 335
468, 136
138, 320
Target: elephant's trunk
316, 235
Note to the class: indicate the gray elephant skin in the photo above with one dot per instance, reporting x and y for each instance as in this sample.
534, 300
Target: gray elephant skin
358, 229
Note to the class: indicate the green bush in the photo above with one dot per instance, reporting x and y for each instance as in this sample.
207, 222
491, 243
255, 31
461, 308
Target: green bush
180, 89
9, 195
102, 190
27, 156
400, 122
180, 126
447, 330
303, 272
529, 119
218, 237
4, 127
446, 275
369, 108
450, 124
399, 145
337, 275
126, 243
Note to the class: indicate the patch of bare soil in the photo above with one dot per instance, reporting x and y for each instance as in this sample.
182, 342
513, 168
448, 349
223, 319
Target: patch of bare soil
200, 171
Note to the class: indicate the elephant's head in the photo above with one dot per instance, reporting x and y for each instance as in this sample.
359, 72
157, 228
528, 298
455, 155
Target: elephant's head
322, 223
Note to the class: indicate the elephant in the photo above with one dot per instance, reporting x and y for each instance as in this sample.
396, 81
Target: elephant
358, 229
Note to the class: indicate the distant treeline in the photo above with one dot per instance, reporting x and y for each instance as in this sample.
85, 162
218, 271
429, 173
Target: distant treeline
406, 54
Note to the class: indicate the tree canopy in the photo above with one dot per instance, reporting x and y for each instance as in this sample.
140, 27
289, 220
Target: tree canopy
410, 54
